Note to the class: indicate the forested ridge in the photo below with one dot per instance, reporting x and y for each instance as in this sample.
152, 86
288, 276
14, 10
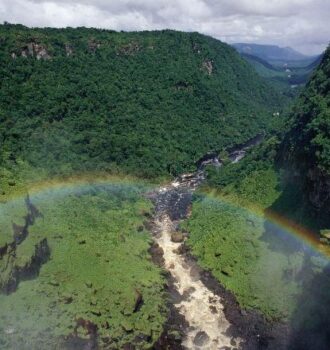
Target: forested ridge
287, 174
306, 147
148, 103
308, 142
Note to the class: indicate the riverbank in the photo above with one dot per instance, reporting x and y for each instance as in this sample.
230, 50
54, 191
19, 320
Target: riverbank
210, 315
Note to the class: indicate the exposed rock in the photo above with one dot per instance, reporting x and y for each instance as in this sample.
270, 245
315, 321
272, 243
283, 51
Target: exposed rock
187, 292
41, 52
318, 189
213, 309
177, 237
325, 236
195, 273
208, 66
68, 50
157, 254
182, 249
201, 339
148, 225
30, 48
13, 55
129, 49
93, 45
196, 48
35, 50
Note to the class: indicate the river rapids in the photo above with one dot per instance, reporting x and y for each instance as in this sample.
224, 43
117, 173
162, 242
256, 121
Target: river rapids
200, 307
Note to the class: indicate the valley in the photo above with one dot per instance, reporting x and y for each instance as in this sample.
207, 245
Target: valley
158, 190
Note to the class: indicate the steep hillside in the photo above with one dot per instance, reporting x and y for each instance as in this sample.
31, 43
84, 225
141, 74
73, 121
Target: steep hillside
255, 225
150, 103
307, 145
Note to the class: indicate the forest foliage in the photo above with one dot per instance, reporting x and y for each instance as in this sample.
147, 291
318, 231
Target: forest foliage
98, 286
148, 103
261, 261
307, 143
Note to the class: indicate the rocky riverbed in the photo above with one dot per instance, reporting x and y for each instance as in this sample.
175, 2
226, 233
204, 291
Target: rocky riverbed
203, 315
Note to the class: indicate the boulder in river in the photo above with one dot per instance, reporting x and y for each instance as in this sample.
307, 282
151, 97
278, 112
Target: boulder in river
177, 237
157, 253
201, 339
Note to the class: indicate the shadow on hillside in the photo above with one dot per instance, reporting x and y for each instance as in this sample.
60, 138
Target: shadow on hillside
292, 206
310, 322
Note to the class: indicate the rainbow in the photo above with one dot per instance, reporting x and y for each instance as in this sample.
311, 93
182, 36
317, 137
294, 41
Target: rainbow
69, 184
71, 181
308, 237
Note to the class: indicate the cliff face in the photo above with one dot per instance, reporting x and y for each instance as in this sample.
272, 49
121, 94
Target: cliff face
306, 147
318, 187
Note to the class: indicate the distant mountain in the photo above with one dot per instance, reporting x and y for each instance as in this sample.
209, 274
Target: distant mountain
270, 52
284, 74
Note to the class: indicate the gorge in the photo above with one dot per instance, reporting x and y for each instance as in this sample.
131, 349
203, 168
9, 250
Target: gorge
157, 192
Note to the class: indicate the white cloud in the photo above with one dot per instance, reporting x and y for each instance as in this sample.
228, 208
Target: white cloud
302, 24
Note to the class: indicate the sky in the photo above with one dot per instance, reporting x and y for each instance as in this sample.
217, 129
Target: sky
301, 24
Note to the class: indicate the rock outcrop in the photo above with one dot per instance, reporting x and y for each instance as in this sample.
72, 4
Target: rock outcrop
93, 45
208, 66
318, 189
68, 50
33, 49
129, 49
